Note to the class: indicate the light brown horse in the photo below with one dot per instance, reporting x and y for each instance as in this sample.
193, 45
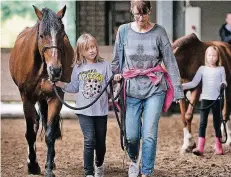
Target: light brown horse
41, 53
190, 53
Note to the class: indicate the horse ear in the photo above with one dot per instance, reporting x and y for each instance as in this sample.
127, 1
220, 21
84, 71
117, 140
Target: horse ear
38, 13
61, 13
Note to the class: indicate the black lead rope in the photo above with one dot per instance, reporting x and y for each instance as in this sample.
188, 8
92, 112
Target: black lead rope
204, 108
121, 122
84, 107
122, 117
223, 122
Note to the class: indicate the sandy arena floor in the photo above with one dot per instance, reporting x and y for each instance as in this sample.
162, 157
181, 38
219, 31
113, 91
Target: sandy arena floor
69, 151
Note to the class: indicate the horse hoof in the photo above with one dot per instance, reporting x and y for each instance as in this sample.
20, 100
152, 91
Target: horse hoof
193, 146
33, 169
49, 173
188, 149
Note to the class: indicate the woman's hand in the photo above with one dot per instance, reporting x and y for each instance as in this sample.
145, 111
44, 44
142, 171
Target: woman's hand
117, 77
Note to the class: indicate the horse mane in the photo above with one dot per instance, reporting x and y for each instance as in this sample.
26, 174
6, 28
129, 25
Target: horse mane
184, 40
49, 21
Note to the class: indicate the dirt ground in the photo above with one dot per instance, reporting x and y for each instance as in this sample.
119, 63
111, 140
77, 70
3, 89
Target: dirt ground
69, 151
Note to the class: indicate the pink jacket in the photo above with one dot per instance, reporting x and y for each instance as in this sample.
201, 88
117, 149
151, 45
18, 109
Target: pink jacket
130, 73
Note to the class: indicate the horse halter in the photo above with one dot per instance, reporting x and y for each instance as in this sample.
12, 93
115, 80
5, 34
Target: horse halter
44, 48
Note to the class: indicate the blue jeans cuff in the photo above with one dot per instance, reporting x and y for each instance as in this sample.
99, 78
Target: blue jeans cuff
146, 172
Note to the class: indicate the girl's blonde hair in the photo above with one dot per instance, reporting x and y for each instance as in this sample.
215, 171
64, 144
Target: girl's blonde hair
82, 44
218, 63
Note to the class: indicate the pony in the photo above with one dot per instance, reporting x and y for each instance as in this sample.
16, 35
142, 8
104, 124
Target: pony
190, 52
41, 54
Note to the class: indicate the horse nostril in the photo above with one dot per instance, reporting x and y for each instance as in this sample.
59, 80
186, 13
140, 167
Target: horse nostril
56, 71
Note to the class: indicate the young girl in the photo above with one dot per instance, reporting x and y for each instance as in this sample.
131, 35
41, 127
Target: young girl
89, 76
212, 76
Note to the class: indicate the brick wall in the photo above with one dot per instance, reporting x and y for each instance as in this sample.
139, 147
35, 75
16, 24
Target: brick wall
92, 19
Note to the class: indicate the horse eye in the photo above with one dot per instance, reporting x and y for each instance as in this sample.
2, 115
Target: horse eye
41, 36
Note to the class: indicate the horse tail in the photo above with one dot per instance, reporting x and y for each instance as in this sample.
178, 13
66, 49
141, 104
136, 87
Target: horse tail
42, 112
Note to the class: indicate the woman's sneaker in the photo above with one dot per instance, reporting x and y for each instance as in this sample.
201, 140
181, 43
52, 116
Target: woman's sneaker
99, 171
133, 171
89, 176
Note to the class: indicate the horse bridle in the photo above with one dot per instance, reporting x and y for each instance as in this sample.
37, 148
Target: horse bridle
44, 48
49, 47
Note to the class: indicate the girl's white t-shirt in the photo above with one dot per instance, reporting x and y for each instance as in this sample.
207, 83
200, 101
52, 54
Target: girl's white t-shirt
212, 78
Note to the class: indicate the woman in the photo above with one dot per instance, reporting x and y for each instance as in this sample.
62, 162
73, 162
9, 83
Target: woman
148, 87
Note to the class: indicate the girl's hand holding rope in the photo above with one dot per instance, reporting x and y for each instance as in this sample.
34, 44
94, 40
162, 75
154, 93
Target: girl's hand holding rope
118, 77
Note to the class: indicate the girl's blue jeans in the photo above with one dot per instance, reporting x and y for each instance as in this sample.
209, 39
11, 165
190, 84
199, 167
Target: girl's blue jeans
94, 130
151, 108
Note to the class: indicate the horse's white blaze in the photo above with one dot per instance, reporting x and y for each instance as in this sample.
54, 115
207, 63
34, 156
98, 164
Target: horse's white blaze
188, 140
54, 42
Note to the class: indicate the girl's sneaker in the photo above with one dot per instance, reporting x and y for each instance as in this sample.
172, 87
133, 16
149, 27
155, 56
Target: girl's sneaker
89, 176
99, 171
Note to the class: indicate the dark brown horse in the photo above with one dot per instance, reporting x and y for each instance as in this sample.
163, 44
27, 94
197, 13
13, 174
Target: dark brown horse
190, 53
42, 53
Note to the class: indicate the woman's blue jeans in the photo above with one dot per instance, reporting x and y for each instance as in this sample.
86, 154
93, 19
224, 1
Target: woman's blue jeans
151, 108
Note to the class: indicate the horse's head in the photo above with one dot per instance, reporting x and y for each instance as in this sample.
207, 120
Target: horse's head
51, 40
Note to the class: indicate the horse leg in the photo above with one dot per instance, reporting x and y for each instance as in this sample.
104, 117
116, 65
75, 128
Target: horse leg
52, 133
228, 128
195, 95
226, 114
32, 125
189, 142
188, 139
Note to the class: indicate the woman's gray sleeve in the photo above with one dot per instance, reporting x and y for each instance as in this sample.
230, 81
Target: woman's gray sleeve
108, 75
116, 54
171, 65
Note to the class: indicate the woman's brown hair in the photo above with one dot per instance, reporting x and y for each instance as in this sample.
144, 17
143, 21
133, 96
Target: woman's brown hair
143, 7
